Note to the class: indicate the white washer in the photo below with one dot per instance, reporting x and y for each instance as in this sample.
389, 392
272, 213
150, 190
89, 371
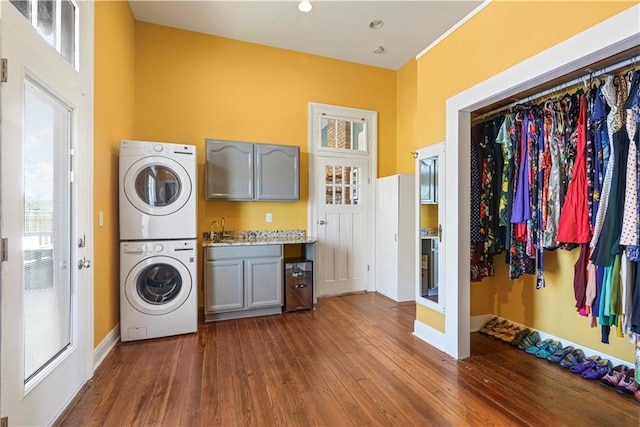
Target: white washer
158, 291
157, 191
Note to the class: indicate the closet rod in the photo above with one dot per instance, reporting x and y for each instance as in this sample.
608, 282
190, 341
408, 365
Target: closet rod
566, 85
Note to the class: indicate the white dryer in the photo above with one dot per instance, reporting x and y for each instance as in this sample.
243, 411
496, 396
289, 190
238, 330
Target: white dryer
157, 191
158, 289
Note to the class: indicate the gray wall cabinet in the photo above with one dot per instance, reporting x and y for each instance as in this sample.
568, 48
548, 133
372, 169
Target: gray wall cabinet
242, 281
252, 171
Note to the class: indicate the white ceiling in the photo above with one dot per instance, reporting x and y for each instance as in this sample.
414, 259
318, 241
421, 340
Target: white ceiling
336, 29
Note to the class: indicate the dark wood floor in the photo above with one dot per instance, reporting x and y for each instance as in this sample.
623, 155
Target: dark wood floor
353, 361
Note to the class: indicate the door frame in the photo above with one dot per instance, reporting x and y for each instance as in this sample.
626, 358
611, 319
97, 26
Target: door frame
82, 166
609, 37
315, 108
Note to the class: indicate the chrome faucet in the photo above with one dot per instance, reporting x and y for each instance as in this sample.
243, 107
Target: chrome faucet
211, 232
222, 224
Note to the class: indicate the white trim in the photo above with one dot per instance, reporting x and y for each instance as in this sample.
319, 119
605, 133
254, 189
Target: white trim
430, 335
481, 320
457, 25
607, 38
106, 345
89, 237
313, 109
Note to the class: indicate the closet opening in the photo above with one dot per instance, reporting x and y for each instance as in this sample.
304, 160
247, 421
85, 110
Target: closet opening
612, 41
544, 180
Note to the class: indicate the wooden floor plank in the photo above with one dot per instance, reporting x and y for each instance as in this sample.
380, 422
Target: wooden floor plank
352, 361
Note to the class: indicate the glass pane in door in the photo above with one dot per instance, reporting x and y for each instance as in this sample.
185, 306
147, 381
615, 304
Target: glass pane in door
46, 238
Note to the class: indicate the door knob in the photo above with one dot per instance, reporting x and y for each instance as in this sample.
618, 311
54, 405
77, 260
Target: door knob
83, 263
322, 222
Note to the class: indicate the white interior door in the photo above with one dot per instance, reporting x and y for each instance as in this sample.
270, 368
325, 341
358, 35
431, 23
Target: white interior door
343, 147
46, 108
343, 224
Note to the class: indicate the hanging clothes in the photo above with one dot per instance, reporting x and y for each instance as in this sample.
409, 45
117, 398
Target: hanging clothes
608, 243
614, 123
574, 224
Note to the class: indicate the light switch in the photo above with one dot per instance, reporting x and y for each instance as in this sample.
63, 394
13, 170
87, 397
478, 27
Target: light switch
269, 217
100, 219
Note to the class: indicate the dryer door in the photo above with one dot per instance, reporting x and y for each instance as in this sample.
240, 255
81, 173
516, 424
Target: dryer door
158, 285
157, 186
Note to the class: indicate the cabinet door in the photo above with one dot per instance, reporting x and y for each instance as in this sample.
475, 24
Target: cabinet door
277, 172
229, 170
387, 236
264, 282
429, 181
223, 285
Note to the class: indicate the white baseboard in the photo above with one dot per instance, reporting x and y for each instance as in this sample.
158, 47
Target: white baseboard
429, 335
478, 322
481, 320
105, 346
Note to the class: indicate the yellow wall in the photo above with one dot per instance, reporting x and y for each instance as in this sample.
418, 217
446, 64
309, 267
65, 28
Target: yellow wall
481, 48
406, 110
113, 120
191, 86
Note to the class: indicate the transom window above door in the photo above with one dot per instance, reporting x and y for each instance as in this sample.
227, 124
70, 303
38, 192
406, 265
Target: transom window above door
343, 134
56, 21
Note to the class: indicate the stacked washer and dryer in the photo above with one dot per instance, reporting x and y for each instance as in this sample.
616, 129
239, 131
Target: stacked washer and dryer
158, 246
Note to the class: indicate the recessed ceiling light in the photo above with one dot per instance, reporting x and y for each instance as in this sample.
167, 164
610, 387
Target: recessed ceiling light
376, 24
305, 6
378, 50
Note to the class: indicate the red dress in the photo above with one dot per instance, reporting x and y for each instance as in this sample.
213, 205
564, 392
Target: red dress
574, 218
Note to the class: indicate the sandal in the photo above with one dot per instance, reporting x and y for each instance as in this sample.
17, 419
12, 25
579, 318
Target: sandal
530, 340
628, 384
540, 345
598, 371
574, 358
560, 354
587, 363
498, 327
613, 377
520, 336
509, 334
490, 324
550, 350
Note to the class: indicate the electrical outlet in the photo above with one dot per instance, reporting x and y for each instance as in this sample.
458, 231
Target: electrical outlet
269, 217
100, 219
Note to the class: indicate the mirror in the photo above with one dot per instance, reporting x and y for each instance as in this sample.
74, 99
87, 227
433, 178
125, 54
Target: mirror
429, 164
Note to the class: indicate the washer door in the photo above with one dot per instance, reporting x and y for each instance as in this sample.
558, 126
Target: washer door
158, 285
157, 186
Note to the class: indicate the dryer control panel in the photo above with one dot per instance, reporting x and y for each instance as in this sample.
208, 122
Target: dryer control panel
184, 247
137, 148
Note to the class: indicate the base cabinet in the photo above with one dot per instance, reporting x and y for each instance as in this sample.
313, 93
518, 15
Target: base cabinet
242, 281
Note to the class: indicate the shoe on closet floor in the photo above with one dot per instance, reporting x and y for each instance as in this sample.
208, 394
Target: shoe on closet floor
490, 324
613, 377
520, 336
530, 340
498, 327
574, 358
509, 333
540, 345
598, 371
550, 350
628, 384
587, 363
560, 354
